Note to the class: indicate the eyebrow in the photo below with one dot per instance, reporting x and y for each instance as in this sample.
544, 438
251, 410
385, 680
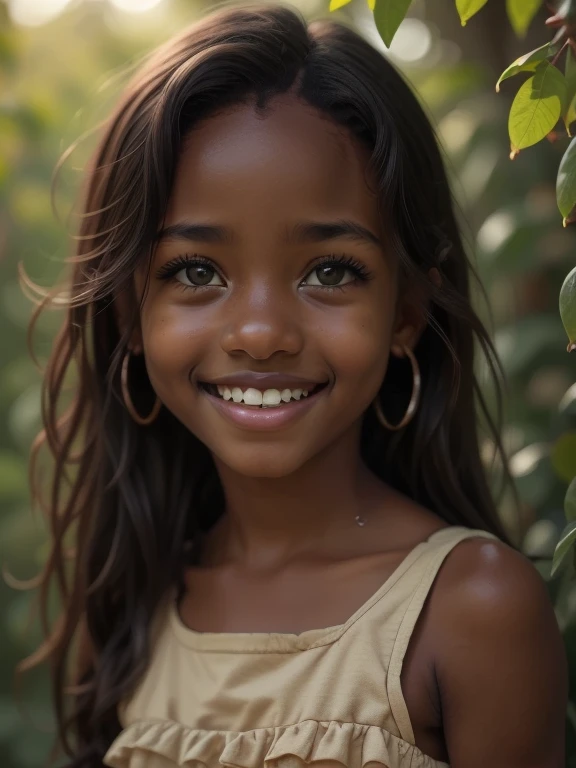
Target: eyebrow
302, 232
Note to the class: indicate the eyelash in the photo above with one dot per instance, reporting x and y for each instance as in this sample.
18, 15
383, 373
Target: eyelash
170, 269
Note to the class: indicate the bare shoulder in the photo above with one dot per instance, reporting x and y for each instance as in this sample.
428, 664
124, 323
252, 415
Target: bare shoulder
485, 589
499, 657
481, 574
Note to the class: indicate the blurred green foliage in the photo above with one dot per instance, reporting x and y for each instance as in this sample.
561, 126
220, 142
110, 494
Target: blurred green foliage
59, 80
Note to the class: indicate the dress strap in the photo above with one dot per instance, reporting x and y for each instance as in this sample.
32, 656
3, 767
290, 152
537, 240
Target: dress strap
443, 542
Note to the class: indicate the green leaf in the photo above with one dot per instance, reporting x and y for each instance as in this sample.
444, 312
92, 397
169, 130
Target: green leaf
468, 8
537, 107
566, 182
570, 502
568, 307
521, 13
570, 115
563, 456
567, 540
528, 62
388, 15
570, 76
570, 71
335, 4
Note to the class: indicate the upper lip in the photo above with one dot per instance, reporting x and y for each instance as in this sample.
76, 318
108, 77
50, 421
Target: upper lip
263, 381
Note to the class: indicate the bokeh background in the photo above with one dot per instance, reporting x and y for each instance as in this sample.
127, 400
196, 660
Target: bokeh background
62, 65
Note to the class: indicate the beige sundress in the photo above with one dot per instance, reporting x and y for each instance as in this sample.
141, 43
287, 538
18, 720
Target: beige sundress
273, 700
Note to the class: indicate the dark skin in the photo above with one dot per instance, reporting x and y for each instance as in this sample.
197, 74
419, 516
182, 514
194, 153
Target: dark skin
485, 677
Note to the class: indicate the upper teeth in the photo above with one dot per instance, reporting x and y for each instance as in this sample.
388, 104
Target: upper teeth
268, 397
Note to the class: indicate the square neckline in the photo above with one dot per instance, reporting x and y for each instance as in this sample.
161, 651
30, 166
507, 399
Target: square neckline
288, 642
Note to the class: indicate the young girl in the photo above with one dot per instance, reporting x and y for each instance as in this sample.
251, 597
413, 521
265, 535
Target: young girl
285, 548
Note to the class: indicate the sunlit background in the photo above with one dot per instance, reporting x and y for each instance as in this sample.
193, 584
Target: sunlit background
62, 65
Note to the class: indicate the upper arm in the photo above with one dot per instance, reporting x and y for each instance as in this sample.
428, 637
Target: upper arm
500, 661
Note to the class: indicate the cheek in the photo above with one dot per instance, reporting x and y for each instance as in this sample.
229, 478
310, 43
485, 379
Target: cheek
356, 342
173, 345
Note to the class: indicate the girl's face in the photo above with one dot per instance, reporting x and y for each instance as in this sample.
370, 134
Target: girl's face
272, 279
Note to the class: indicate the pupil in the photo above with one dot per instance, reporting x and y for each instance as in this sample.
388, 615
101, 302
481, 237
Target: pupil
200, 275
330, 275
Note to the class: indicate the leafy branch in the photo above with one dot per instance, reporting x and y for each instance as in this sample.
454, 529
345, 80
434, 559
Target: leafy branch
545, 99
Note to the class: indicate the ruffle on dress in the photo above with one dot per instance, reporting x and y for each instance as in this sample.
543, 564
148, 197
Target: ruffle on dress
168, 744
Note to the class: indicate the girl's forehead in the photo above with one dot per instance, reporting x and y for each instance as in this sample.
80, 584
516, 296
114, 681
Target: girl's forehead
293, 157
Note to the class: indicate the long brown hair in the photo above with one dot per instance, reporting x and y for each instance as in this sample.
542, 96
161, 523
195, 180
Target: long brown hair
126, 496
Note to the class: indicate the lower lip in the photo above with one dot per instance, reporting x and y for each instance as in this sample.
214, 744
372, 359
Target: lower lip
253, 417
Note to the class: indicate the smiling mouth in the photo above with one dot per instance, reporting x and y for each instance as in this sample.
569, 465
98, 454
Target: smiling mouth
258, 398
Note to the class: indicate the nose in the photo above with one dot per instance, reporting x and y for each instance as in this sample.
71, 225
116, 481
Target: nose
262, 323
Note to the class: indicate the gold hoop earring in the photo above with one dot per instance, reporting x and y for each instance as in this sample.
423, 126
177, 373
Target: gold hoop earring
414, 398
143, 420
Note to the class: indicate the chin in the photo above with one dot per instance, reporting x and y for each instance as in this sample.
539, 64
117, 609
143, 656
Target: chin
263, 462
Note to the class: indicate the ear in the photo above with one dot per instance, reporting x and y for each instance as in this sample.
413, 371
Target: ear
124, 309
411, 317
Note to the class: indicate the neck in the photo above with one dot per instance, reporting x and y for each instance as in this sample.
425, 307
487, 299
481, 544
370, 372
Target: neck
271, 520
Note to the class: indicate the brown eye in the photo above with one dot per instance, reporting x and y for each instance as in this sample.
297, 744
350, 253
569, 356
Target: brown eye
191, 271
199, 275
330, 274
